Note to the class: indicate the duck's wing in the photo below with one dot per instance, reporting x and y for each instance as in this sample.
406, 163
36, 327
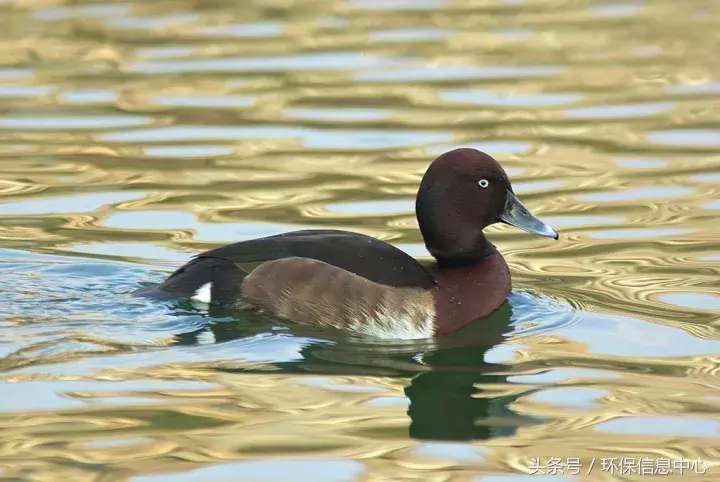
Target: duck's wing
361, 255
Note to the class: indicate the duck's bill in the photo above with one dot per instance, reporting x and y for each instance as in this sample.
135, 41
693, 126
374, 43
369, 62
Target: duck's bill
516, 214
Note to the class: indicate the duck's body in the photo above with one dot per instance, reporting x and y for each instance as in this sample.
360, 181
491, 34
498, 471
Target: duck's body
355, 282
344, 280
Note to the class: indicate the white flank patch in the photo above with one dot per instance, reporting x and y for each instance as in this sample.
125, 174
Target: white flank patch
206, 337
203, 293
395, 324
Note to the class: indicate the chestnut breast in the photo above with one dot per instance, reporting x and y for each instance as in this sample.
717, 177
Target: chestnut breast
466, 293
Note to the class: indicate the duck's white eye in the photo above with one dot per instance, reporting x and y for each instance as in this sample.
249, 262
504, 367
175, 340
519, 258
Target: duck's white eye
483, 183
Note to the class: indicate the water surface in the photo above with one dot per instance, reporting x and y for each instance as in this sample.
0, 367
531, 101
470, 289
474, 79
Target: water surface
135, 134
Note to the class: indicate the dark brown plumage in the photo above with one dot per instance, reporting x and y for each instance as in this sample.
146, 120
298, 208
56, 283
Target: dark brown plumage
351, 281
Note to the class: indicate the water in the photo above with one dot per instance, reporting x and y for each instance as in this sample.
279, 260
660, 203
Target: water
135, 134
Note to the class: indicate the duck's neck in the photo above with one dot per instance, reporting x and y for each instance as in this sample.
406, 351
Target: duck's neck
454, 253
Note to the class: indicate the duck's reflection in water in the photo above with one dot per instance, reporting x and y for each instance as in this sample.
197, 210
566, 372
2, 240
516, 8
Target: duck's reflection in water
446, 375
448, 403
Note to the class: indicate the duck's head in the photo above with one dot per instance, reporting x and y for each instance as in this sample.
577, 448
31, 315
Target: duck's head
462, 192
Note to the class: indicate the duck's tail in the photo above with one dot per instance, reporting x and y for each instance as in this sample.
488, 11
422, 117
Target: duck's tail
206, 279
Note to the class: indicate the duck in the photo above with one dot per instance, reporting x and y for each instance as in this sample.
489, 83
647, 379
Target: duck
357, 283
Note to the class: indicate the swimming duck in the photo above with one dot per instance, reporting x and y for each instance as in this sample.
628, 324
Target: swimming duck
358, 283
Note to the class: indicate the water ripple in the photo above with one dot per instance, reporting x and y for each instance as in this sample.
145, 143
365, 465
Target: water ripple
135, 134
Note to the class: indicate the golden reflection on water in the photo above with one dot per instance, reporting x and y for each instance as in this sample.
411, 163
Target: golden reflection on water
145, 132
